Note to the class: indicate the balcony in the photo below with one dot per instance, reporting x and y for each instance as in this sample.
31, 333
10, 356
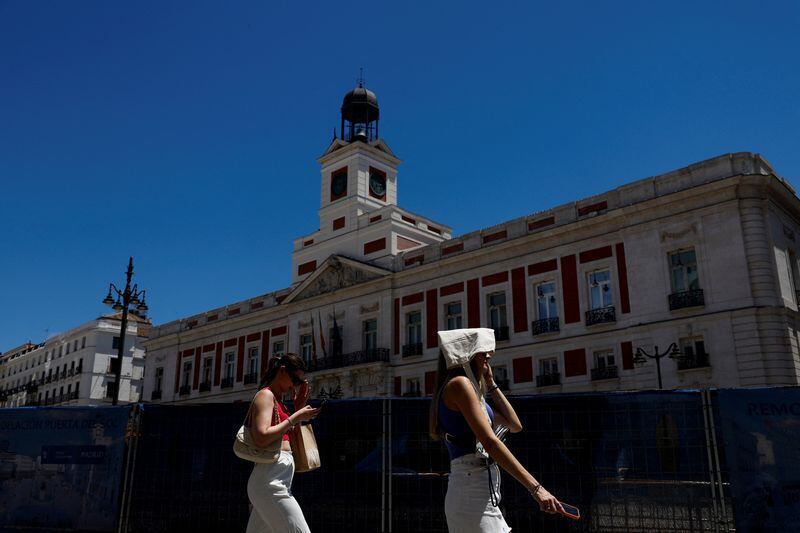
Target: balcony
412, 394
79, 368
412, 349
605, 372
205, 386
185, 390
71, 372
226, 383
699, 360
250, 378
548, 379
63, 375
545, 325
48, 379
603, 315
73, 395
155, 395
501, 333
378, 355
685, 299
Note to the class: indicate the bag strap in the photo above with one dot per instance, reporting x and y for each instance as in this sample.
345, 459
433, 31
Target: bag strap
275, 416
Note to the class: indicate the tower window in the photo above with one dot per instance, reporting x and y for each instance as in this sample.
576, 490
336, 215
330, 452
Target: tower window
339, 184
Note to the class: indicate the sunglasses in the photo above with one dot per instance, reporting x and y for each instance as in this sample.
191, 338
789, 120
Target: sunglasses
296, 380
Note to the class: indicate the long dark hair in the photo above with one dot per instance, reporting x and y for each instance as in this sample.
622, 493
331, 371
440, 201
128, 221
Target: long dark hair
443, 375
291, 361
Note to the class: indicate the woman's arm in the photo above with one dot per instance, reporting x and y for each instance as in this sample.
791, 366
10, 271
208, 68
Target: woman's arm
504, 413
462, 393
261, 428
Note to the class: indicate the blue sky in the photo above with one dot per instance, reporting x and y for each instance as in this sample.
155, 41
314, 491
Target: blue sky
186, 133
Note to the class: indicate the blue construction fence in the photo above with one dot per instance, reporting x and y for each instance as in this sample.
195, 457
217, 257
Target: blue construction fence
704, 460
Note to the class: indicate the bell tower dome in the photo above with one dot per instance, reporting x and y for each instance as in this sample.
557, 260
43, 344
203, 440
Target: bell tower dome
360, 115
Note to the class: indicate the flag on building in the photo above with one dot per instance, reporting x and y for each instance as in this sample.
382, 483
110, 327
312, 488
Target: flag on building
322, 336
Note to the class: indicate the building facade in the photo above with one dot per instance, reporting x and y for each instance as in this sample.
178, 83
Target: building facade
75, 368
704, 257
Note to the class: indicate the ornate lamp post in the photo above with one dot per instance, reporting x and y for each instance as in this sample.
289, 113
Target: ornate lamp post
127, 299
642, 356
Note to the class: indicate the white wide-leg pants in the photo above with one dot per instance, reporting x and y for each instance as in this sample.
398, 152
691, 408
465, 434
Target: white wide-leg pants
468, 505
270, 491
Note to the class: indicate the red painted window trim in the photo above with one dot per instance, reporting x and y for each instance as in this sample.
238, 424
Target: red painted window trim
256, 305
569, 284
595, 254
542, 267
430, 382
435, 230
408, 219
452, 249
280, 330
398, 386
374, 219
541, 223
309, 242
208, 348
495, 236
217, 364
413, 298
523, 369
519, 300
338, 223
455, 288
473, 304
240, 360
575, 362
396, 326
432, 318
196, 377
375, 246
591, 208
233, 312
264, 352
178, 371
230, 342
494, 279
306, 268
211, 318
253, 337
622, 272
627, 355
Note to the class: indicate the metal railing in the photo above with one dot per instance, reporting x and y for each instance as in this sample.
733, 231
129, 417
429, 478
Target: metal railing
545, 325
155, 395
548, 379
684, 299
412, 394
605, 372
603, 315
412, 349
226, 383
377, 355
501, 333
699, 360
250, 378
205, 386
184, 390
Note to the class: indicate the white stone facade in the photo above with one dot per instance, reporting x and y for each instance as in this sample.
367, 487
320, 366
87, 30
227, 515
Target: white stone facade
705, 257
74, 368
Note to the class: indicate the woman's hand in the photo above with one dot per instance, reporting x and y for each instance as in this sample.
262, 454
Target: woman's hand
303, 414
547, 502
301, 394
488, 376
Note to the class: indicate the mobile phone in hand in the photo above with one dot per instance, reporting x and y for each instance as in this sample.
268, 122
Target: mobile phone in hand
570, 511
316, 403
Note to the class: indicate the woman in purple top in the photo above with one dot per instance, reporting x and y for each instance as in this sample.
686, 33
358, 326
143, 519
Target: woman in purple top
469, 427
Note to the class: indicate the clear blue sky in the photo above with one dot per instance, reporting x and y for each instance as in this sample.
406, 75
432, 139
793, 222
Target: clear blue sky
185, 133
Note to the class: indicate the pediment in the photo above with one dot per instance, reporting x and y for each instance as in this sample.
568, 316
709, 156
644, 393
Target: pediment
335, 145
335, 273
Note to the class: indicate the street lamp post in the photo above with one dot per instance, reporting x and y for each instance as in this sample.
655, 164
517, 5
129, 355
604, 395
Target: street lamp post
642, 356
126, 298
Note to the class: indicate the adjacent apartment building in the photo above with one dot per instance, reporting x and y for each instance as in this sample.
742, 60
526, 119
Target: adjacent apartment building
704, 257
75, 367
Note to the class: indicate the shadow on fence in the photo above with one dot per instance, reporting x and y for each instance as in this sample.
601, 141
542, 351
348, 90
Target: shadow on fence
630, 461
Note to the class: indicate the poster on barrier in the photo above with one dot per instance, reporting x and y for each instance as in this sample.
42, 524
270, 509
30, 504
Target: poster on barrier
761, 429
60, 468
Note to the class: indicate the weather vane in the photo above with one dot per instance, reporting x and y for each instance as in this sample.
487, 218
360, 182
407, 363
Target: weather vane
361, 76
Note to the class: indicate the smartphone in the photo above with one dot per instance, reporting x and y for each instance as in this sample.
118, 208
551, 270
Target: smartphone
570, 511
316, 403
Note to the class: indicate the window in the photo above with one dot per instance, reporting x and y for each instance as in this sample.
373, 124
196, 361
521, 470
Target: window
77, 388
187, 373
452, 312
83, 343
546, 300
604, 359
683, 271
229, 364
370, 334
414, 327
60, 348
278, 349
600, 289
305, 347
548, 366
413, 387
75, 345
497, 310
693, 354
500, 374
208, 363
252, 361
67, 352
159, 379
115, 343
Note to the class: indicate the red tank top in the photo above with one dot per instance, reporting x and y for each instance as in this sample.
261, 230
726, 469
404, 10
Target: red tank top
283, 413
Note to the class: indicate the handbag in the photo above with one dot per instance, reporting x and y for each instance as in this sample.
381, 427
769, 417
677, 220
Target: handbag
304, 448
245, 448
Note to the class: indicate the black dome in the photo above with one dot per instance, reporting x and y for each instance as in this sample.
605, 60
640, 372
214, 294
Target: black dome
360, 95
360, 106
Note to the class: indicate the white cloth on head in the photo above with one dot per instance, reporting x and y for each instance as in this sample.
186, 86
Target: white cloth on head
459, 346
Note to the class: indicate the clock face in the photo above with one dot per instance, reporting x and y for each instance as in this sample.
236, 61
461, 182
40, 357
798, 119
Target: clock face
377, 184
338, 184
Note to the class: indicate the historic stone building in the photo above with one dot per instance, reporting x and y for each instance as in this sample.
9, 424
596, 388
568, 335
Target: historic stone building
74, 367
704, 257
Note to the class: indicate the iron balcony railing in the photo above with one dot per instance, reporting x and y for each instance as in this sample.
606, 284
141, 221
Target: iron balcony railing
155, 395
605, 372
699, 360
377, 355
205, 386
684, 299
226, 383
71, 372
501, 333
412, 349
412, 394
250, 378
545, 325
548, 379
185, 390
48, 379
603, 315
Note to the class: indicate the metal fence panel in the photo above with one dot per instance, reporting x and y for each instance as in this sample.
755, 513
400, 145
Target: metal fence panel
60, 468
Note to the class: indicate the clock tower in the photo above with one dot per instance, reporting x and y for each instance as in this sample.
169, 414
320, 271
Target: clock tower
358, 215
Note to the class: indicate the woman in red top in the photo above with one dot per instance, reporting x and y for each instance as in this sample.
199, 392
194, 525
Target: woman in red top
269, 488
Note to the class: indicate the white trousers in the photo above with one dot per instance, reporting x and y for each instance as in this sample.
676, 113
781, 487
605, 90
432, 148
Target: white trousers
270, 491
468, 506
